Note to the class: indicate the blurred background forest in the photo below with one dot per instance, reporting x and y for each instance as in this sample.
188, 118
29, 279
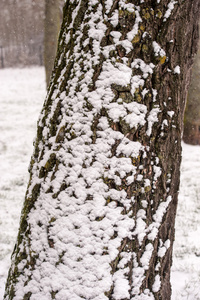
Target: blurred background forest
22, 30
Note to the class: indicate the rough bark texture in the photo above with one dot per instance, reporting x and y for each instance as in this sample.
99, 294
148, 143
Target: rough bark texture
191, 133
51, 32
98, 219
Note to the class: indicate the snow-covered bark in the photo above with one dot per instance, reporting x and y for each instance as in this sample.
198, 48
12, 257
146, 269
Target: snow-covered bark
98, 219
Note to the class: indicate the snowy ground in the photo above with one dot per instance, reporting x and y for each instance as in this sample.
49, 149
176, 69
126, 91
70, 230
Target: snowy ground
186, 261
22, 92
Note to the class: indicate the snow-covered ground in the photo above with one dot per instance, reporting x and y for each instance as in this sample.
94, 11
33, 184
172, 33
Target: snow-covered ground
186, 260
22, 92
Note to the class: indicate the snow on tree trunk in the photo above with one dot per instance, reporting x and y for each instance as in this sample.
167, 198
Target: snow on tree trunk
98, 219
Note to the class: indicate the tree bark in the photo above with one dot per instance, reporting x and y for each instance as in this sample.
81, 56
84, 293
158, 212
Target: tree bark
51, 32
98, 218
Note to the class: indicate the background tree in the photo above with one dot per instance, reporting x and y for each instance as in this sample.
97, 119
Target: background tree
22, 33
51, 32
98, 218
191, 133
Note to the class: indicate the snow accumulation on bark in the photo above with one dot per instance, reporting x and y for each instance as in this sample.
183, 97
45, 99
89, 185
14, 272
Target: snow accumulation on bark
93, 211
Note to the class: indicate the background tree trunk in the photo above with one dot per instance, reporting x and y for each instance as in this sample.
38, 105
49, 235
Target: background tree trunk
191, 133
21, 27
98, 218
51, 32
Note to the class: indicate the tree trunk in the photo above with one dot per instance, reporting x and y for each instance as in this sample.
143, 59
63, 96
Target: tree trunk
191, 134
98, 218
51, 32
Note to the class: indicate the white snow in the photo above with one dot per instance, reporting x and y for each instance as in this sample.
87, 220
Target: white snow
21, 94
147, 256
170, 7
170, 113
158, 50
145, 68
152, 118
131, 34
157, 284
115, 18
136, 82
177, 70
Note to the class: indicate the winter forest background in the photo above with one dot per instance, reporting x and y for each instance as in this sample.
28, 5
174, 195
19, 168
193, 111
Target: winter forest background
22, 33
22, 92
